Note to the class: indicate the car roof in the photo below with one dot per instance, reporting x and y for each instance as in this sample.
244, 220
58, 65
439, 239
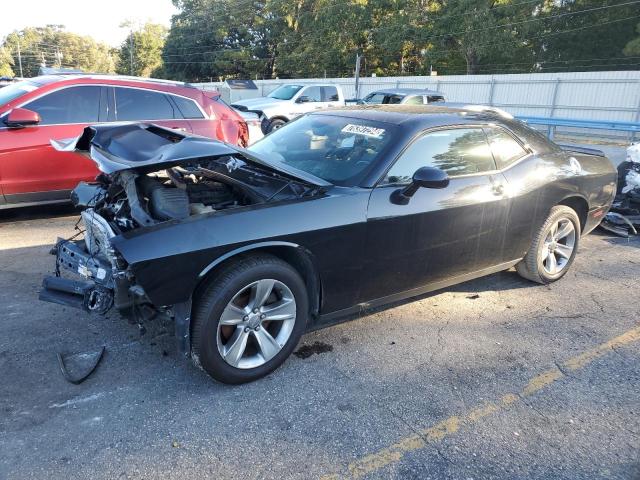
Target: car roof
53, 78
408, 91
419, 116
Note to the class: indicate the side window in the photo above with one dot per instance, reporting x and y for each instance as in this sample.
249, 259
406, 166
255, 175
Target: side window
393, 99
505, 149
187, 107
414, 100
137, 104
434, 98
374, 98
313, 93
70, 105
330, 94
458, 151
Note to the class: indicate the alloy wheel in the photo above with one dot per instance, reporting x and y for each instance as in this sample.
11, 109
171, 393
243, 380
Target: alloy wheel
256, 324
558, 246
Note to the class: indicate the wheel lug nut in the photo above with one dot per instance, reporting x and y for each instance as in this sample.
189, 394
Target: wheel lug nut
263, 316
255, 310
257, 328
246, 330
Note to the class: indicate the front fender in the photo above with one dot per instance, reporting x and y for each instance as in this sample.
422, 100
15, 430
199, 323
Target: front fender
168, 260
244, 249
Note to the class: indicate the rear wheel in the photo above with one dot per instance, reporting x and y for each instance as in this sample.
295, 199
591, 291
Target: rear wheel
249, 319
553, 248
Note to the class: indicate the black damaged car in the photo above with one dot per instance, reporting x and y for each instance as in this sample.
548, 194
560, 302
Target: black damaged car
336, 213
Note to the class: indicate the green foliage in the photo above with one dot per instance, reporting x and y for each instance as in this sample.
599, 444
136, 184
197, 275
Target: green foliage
633, 47
217, 39
593, 40
55, 47
6, 63
214, 38
141, 52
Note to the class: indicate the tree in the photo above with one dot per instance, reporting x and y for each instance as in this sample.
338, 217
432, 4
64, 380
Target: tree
467, 35
141, 52
6, 63
633, 47
583, 35
53, 46
217, 39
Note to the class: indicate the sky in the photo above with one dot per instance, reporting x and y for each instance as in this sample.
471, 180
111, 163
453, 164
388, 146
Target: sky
99, 19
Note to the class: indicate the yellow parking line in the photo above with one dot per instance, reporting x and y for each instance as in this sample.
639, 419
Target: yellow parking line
394, 453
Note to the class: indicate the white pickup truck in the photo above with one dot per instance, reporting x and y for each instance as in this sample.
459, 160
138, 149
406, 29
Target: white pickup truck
289, 101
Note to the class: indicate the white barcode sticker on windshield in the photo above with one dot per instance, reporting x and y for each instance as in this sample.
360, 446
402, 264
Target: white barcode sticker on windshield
363, 130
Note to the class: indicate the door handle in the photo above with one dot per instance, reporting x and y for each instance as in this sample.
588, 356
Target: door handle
180, 129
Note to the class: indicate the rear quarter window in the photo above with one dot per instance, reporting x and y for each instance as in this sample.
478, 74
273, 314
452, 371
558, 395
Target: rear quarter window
506, 150
187, 107
533, 138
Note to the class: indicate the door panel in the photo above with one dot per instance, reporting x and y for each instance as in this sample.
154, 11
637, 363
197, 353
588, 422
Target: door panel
439, 233
29, 165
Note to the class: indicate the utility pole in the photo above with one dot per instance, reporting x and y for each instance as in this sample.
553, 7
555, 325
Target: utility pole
358, 58
131, 53
19, 57
58, 57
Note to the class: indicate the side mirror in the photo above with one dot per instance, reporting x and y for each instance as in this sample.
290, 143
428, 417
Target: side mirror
303, 99
425, 177
21, 117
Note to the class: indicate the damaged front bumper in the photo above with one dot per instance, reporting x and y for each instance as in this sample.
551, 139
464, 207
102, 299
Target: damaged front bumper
94, 293
103, 286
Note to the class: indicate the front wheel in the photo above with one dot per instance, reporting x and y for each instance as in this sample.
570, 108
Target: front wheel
275, 124
553, 248
249, 318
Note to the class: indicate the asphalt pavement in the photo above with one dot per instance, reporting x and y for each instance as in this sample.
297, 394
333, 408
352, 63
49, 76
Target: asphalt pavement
495, 378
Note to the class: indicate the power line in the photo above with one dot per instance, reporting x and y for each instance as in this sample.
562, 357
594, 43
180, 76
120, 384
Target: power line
537, 37
535, 19
544, 18
340, 3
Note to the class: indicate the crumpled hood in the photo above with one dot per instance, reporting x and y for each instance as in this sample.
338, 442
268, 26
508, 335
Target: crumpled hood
146, 147
259, 104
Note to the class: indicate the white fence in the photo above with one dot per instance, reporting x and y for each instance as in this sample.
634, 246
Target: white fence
580, 95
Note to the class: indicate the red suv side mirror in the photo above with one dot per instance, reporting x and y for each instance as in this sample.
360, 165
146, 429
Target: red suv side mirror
21, 117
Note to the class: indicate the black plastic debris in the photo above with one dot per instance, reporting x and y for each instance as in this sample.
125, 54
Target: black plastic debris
89, 369
624, 217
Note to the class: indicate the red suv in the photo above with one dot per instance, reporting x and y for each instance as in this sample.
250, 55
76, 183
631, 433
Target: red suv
36, 110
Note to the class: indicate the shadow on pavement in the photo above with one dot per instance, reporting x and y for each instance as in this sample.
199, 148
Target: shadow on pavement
36, 212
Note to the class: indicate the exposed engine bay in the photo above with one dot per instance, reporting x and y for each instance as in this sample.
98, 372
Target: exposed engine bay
131, 199
128, 200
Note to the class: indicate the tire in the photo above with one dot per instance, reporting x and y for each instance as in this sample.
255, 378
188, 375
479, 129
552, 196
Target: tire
537, 264
275, 124
222, 324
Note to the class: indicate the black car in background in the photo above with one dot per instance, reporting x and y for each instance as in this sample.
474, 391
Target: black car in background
335, 213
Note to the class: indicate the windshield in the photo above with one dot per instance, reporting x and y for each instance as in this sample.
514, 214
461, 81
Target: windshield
340, 150
285, 92
15, 90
